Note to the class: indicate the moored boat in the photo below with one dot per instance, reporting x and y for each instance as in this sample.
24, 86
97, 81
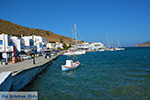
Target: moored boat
70, 65
77, 52
101, 49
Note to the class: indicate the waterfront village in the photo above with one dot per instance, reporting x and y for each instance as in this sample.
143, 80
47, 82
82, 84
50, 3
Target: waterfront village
23, 58
26, 47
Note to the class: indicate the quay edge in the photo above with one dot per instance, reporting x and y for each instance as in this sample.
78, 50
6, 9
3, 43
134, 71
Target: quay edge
23, 77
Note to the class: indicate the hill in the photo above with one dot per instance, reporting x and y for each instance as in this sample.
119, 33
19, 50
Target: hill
146, 44
10, 28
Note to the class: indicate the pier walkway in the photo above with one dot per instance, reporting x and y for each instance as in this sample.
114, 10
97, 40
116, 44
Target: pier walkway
27, 64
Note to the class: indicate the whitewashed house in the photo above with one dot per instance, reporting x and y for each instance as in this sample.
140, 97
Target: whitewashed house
19, 43
39, 42
59, 45
28, 43
40, 39
6, 47
51, 45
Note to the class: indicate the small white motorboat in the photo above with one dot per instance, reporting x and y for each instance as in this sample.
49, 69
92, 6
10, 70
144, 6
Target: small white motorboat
101, 50
70, 65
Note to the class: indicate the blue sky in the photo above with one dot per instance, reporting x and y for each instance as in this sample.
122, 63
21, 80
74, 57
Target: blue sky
129, 20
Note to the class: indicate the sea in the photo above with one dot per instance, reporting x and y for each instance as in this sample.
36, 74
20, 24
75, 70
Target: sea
105, 75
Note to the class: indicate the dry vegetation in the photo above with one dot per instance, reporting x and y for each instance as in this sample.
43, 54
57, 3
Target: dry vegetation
10, 28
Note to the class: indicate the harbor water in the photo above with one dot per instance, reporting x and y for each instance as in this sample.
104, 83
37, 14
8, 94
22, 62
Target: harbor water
117, 75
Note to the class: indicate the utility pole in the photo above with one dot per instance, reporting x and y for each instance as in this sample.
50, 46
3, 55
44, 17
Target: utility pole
33, 50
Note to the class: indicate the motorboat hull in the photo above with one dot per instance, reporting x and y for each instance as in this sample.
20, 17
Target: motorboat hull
75, 53
73, 66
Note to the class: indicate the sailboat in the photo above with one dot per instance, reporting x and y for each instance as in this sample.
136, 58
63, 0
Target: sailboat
74, 51
71, 64
108, 48
118, 45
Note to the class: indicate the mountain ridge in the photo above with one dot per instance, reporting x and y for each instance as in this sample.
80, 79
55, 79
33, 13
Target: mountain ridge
10, 28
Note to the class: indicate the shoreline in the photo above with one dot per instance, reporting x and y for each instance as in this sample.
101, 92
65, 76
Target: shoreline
22, 75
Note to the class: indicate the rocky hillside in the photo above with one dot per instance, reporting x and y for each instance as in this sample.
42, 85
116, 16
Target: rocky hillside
146, 44
10, 28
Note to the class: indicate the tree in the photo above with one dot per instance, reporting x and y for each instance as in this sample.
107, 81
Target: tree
59, 48
64, 46
69, 45
52, 42
47, 32
61, 40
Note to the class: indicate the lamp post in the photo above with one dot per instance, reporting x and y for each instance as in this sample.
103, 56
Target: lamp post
33, 50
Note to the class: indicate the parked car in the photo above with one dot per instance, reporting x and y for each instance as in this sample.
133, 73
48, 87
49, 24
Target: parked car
47, 55
25, 57
53, 53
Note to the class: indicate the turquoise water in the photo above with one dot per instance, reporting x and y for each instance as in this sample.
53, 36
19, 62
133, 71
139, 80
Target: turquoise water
105, 75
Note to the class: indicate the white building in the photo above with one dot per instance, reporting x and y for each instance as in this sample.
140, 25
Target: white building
28, 43
38, 41
84, 46
98, 45
6, 47
18, 42
51, 45
55, 45
59, 45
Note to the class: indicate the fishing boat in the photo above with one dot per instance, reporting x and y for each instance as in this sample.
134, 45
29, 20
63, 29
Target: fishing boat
70, 65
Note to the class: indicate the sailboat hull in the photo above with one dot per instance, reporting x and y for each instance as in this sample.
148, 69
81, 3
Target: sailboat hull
75, 53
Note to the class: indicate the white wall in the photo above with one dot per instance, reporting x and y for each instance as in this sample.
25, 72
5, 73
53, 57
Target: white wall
6, 44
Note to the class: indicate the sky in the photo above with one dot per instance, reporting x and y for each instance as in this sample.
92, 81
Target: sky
127, 20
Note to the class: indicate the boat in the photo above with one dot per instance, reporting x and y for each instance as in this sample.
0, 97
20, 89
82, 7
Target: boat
101, 49
74, 50
108, 47
70, 65
118, 45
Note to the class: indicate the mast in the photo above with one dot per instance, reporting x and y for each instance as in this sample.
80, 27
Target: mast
72, 41
75, 34
118, 44
75, 40
107, 41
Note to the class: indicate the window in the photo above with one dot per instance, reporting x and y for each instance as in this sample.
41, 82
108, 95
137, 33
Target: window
1, 42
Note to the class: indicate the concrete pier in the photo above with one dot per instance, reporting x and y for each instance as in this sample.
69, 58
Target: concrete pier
5, 81
24, 72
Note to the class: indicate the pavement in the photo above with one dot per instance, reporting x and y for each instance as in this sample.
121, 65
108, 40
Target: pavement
27, 64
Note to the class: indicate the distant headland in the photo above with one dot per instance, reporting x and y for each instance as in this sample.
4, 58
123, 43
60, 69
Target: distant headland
145, 44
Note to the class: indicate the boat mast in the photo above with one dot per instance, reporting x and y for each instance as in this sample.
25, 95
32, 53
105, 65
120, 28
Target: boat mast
118, 44
107, 41
75, 35
72, 42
